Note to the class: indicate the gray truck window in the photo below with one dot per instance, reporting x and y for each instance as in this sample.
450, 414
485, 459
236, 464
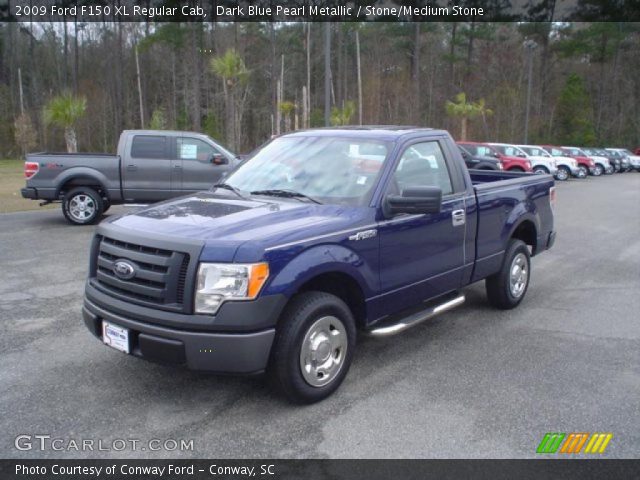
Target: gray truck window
149, 146
194, 149
423, 165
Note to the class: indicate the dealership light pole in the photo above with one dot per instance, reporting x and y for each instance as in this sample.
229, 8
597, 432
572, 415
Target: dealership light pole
530, 46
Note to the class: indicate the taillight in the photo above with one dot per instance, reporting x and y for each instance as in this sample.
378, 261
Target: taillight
30, 169
552, 197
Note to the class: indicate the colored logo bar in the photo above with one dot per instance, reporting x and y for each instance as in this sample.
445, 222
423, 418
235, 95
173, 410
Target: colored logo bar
555, 442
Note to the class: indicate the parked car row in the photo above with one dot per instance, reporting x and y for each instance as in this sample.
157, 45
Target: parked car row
563, 162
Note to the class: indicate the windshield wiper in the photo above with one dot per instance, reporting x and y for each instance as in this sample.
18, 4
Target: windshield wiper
276, 192
226, 186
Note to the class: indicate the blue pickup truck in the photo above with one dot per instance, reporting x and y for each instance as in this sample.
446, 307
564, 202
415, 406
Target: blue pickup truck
319, 235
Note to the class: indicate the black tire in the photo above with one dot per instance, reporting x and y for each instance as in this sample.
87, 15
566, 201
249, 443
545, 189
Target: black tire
598, 170
106, 205
583, 172
498, 285
516, 169
94, 206
285, 366
540, 171
563, 174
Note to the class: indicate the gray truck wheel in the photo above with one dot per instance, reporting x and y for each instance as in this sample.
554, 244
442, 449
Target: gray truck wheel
507, 288
598, 170
583, 172
540, 171
313, 349
82, 206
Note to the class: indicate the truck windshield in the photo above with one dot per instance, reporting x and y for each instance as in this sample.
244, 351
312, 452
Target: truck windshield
329, 169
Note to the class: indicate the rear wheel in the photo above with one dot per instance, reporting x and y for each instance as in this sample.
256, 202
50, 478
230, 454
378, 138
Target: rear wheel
563, 174
516, 169
313, 348
540, 170
507, 288
82, 206
598, 170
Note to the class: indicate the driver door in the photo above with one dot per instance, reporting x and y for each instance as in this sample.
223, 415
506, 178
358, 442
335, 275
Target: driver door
422, 255
197, 170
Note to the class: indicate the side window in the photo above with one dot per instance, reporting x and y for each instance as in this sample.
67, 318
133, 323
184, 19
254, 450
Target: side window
149, 146
194, 149
423, 165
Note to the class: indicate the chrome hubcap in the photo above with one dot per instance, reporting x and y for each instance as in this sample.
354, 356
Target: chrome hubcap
82, 207
582, 172
518, 275
323, 351
562, 174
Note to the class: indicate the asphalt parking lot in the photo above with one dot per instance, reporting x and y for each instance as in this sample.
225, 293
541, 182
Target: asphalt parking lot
474, 382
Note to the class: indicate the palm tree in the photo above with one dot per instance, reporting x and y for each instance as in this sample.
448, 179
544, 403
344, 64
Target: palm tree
466, 111
234, 74
342, 116
64, 111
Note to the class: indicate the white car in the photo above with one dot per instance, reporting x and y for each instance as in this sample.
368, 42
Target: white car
601, 161
633, 161
539, 165
567, 166
541, 161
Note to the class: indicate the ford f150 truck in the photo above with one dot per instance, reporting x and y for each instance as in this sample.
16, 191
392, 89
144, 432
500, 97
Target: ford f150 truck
320, 234
150, 165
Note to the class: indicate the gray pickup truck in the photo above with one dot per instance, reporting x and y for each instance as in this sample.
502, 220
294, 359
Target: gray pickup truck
150, 165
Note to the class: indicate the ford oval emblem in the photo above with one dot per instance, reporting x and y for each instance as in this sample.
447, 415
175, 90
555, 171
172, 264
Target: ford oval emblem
124, 269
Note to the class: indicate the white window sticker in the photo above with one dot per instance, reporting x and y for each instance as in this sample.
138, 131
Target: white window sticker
362, 180
188, 152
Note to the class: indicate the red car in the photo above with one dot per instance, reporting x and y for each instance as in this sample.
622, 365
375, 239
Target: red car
587, 166
512, 164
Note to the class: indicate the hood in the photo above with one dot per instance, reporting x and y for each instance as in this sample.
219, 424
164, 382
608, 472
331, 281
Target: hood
224, 222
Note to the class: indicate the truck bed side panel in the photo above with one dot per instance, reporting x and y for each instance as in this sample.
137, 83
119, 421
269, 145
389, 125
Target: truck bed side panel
502, 206
57, 169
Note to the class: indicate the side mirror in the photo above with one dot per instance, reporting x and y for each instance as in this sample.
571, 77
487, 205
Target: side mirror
218, 159
414, 200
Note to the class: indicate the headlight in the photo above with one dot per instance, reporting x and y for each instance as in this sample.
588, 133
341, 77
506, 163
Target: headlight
218, 282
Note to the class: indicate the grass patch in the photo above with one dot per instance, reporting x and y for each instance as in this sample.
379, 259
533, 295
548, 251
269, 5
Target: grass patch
11, 181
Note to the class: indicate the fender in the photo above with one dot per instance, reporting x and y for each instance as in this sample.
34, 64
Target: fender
516, 217
327, 258
83, 172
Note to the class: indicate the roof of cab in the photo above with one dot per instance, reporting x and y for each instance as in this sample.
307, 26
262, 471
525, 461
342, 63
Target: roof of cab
382, 132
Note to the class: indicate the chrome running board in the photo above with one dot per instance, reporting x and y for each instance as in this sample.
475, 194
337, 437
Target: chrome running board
392, 327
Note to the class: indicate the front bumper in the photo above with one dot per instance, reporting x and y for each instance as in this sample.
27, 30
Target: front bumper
244, 352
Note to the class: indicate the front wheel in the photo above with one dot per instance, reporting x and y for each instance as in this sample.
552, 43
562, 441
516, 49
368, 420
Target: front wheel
506, 289
563, 174
582, 172
314, 346
540, 171
598, 170
82, 206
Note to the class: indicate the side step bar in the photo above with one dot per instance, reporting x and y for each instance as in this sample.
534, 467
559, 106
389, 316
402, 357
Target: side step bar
392, 327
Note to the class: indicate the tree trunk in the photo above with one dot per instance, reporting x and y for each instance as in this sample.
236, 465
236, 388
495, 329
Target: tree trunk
463, 129
359, 78
71, 139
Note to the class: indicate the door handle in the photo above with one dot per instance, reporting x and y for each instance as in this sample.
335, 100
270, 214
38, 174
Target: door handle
458, 217
132, 168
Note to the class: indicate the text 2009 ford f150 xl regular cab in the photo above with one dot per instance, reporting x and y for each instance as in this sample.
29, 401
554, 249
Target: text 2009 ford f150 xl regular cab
151, 165
321, 233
